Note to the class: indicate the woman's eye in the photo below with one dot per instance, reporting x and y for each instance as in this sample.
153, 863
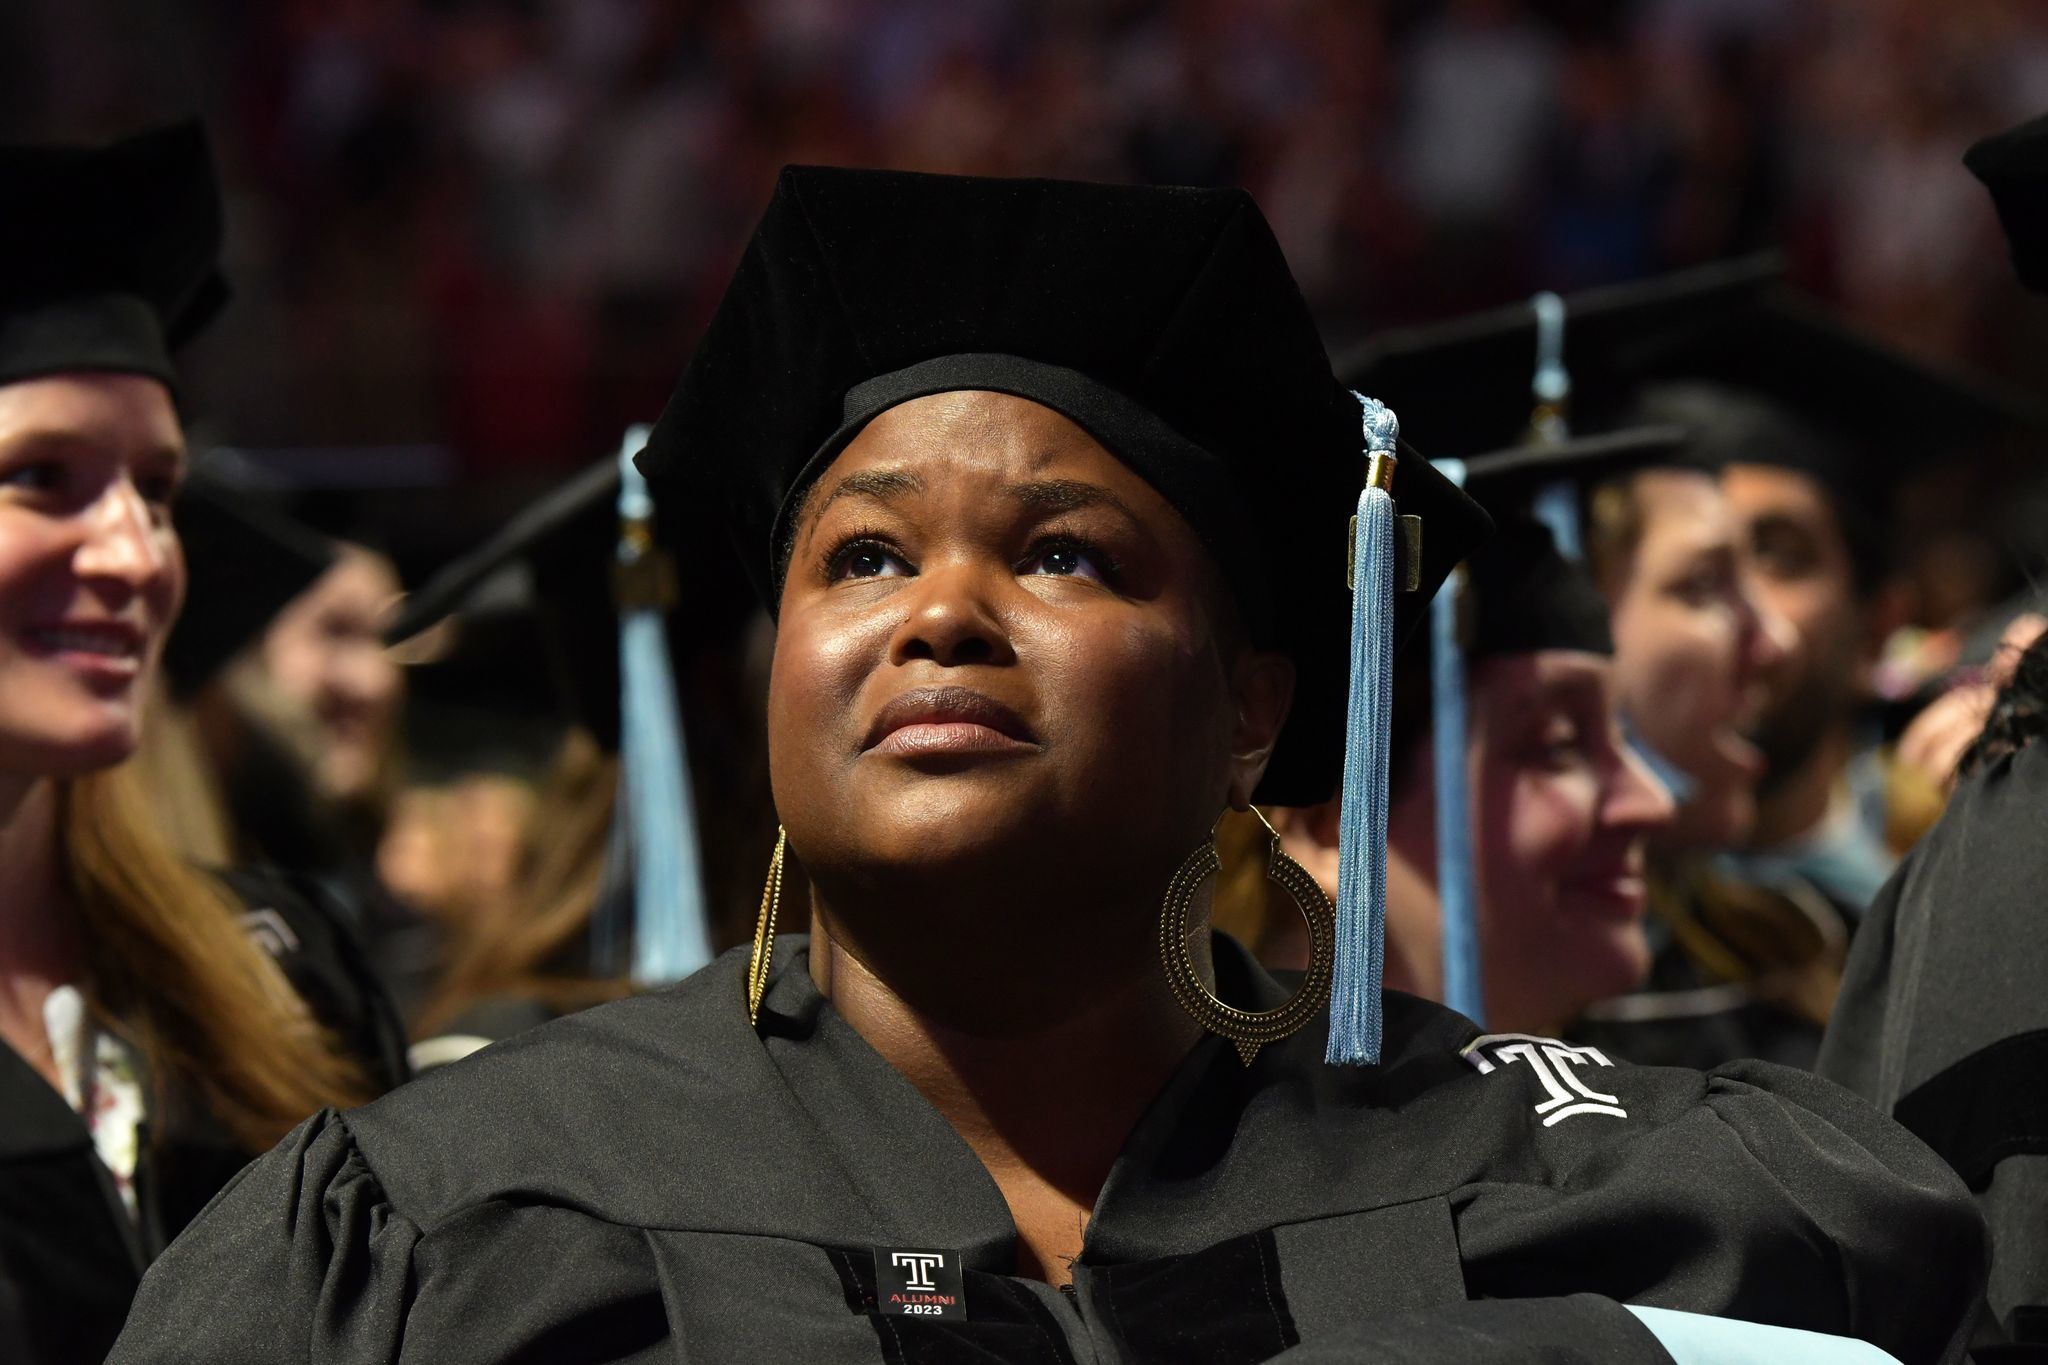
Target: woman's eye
866, 559
41, 476
1064, 559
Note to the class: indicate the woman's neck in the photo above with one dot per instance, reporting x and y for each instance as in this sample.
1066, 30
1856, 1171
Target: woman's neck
1045, 1097
39, 947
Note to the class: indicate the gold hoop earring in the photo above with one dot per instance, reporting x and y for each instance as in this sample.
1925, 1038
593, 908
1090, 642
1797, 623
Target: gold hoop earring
764, 930
1249, 1030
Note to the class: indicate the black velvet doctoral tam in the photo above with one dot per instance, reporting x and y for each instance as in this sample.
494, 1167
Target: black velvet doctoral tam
1162, 321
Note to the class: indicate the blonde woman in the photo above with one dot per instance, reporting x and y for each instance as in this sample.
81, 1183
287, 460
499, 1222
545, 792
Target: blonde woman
151, 1039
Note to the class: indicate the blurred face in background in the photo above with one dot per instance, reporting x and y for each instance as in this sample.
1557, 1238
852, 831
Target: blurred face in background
1798, 564
1561, 812
325, 655
91, 573
1692, 647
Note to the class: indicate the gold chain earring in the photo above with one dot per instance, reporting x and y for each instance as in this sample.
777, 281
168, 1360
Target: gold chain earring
1249, 1030
764, 930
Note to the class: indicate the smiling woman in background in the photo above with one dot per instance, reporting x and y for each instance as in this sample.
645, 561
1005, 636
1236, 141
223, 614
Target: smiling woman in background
1047, 484
148, 1044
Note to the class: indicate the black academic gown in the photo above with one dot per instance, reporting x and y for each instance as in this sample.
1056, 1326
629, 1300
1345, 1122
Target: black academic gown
1737, 971
1943, 1019
657, 1180
70, 1254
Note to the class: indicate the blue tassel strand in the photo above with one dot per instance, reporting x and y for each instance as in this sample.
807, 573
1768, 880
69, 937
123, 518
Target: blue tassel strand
1355, 1023
670, 936
1556, 505
1457, 895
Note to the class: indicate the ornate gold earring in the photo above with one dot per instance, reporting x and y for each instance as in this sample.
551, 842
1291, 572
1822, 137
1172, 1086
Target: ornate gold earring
764, 930
1249, 1030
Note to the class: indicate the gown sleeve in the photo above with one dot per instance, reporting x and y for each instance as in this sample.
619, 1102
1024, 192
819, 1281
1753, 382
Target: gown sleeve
301, 1258
1777, 1198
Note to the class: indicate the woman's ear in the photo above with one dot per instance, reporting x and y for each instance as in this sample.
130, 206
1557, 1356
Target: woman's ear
1262, 688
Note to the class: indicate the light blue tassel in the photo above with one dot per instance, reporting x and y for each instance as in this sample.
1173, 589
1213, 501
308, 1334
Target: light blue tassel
1457, 896
670, 935
1556, 504
1362, 843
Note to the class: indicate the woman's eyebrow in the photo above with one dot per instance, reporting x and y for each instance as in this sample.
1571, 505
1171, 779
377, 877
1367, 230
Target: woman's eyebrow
876, 485
1049, 497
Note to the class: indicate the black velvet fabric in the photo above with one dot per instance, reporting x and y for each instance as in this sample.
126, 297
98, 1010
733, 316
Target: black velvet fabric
107, 254
2014, 166
1163, 320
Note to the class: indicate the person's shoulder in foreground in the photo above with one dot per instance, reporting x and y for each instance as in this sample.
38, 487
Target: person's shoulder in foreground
656, 1171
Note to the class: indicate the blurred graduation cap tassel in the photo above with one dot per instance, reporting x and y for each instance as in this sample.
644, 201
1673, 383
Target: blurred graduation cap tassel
1457, 895
670, 932
1557, 503
1355, 1014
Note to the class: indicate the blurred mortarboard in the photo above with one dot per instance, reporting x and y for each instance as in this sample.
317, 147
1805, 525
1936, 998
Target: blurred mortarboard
244, 563
1519, 593
108, 255
1163, 321
562, 549
1464, 385
2014, 166
1787, 383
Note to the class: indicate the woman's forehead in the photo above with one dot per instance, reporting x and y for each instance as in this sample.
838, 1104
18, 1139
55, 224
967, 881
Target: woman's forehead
988, 441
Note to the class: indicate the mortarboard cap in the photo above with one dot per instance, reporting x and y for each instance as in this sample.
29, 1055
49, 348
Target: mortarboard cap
2014, 166
602, 587
1787, 383
244, 563
1163, 321
1464, 385
108, 255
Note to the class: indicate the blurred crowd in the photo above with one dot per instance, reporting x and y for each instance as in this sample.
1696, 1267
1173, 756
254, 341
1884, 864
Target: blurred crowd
495, 224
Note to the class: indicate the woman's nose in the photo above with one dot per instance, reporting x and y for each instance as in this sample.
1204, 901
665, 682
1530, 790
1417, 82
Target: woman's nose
951, 620
1634, 799
124, 540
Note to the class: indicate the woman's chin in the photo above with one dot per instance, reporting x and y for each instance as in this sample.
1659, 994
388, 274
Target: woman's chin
72, 751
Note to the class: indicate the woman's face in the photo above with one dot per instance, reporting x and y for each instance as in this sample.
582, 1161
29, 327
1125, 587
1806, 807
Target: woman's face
1002, 665
1561, 811
326, 653
1692, 650
91, 574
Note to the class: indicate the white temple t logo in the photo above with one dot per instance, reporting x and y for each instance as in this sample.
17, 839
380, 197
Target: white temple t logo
1556, 1067
920, 1264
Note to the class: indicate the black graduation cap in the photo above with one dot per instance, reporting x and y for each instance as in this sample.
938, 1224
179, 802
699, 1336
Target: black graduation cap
1164, 321
1464, 385
108, 255
244, 563
566, 541
1788, 383
2014, 166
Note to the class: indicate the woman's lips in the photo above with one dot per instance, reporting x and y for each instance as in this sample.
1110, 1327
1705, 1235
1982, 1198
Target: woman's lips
947, 737
1619, 895
101, 649
950, 720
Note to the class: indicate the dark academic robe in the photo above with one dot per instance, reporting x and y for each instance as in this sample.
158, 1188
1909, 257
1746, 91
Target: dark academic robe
657, 1180
70, 1254
1943, 1019
1738, 970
